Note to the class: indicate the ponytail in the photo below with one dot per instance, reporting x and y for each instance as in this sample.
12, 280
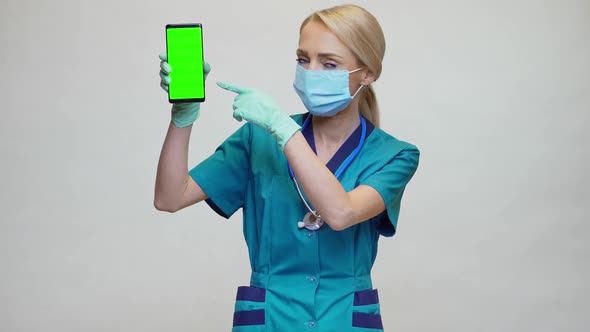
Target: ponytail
368, 105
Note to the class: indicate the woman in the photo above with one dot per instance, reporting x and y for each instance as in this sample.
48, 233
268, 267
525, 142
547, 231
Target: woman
291, 174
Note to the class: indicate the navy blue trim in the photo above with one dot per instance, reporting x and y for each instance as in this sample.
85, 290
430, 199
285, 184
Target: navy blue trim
383, 224
367, 296
216, 208
255, 294
249, 317
345, 150
369, 321
308, 134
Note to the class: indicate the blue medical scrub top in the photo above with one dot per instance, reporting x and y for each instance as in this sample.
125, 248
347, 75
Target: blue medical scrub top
305, 280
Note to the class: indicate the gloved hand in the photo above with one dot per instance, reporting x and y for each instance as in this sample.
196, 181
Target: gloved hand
183, 114
260, 109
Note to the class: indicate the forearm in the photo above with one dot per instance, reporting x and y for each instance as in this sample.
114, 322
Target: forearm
172, 174
321, 187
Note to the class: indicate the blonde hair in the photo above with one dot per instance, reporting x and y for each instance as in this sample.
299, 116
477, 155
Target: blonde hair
358, 30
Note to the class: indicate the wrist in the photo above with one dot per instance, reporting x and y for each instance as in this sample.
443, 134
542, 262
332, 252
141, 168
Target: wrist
184, 115
284, 130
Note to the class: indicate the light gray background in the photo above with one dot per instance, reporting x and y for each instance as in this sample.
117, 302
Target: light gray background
493, 234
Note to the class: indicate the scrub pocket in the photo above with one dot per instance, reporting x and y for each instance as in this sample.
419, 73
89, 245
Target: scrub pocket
250, 310
366, 314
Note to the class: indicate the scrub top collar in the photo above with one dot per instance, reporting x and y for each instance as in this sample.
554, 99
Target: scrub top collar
347, 147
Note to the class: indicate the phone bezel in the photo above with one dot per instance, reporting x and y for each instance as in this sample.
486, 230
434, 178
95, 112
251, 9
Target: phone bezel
187, 25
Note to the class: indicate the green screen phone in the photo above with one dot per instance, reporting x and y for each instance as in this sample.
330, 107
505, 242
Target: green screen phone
184, 46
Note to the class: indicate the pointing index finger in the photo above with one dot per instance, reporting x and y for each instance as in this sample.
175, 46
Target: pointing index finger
232, 88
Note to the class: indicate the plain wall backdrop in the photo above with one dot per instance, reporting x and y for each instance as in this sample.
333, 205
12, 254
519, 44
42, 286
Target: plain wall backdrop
493, 233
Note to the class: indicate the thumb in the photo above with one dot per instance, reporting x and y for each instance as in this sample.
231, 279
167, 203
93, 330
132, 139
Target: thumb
233, 88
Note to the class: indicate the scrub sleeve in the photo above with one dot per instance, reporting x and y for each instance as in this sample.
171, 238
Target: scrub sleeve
224, 175
390, 182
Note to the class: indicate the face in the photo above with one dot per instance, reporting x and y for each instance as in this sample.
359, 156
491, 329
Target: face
320, 49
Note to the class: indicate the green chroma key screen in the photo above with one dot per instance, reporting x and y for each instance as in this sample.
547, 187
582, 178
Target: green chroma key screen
184, 46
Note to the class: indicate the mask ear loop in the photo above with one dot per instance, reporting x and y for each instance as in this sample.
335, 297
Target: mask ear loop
360, 87
357, 91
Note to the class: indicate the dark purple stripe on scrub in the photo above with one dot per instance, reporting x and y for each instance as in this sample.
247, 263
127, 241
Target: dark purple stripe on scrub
364, 297
308, 133
249, 317
369, 321
255, 294
345, 150
216, 208
383, 224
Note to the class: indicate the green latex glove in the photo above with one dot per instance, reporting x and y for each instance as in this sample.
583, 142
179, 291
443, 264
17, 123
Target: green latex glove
260, 109
183, 114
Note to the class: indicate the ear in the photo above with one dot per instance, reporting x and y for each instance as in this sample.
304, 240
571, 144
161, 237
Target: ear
368, 77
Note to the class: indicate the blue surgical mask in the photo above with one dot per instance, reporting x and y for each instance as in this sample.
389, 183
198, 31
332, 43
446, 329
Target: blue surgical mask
324, 92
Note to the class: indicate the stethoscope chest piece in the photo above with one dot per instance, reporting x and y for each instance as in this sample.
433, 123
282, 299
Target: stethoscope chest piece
311, 222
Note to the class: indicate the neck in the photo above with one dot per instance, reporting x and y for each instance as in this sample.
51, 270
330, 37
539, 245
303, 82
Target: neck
334, 130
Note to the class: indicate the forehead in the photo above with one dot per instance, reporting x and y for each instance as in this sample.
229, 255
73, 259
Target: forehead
316, 38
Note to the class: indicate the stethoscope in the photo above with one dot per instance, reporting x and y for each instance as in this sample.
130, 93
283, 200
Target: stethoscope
312, 220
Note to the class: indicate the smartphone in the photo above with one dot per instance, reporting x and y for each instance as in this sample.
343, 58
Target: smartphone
184, 46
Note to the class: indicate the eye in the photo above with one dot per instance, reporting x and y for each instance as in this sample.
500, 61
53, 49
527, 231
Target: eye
329, 65
302, 61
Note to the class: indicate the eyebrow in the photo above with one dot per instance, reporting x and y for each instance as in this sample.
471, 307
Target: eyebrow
323, 55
